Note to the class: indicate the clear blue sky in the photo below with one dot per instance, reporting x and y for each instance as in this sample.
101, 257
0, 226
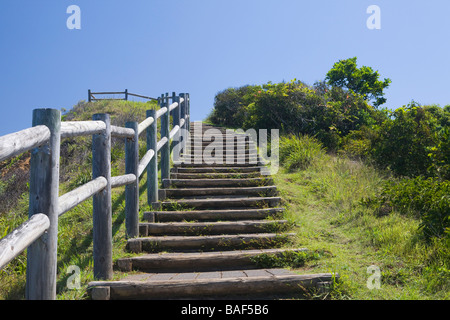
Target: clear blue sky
204, 46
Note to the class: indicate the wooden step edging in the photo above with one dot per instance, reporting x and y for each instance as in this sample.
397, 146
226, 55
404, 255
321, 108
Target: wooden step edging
212, 215
244, 191
223, 242
206, 288
198, 261
209, 228
203, 183
209, 203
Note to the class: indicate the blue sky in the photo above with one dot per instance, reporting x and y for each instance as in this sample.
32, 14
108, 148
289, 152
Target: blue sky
204, 46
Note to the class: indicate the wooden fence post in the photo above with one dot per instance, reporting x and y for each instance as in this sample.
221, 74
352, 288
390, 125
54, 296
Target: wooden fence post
176, 122
102, 208
89, 95
126, 94
152, 169
188, 111
44, 194
132, 190
183, 133
165, 150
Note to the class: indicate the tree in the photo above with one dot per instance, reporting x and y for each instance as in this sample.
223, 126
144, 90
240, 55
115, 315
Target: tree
363, 81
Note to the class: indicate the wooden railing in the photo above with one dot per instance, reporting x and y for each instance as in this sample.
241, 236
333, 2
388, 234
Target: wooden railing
40, 232
92, 96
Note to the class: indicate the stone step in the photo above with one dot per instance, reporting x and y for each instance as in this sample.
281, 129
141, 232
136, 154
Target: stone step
211, 228
248, 283
208, 243
192, 192
198, 261
220, 202
212, 215
216, 183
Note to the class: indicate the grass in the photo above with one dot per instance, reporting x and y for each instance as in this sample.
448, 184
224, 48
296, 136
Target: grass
324, 200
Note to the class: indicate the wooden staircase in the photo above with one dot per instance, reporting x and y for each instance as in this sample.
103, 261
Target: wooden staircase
201, 241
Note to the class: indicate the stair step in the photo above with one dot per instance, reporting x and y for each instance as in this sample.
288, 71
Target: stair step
216, 183
228, 175
190, 192
217, 170
198, 261
212, 215
192, 164
211, 228
209, 285
221, 242
222, 202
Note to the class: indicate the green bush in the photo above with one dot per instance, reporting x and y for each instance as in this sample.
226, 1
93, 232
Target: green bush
299, 152
428, 199
413, 142
328, 113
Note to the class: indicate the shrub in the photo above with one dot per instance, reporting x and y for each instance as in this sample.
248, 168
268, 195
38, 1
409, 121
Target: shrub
407, 142
299, 152
428, 199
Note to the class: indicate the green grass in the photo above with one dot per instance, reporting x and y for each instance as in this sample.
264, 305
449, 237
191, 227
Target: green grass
324, 200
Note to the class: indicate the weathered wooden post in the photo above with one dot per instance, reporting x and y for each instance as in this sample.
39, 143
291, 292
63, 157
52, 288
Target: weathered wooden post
165, 150
89, 95
183, 135
126, 94
152, 169
44, 194
102, 208
176, 122
188, 111
132, 190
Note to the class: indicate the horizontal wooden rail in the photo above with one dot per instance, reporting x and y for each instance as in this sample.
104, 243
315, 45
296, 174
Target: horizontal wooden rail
145, 124
145, 161
173, 106
124, 180
73, 198
91, 96
120, 132
140, 96
72, 129
107, 92
161, 112
21, 238
161, 143
173, 132
16, 143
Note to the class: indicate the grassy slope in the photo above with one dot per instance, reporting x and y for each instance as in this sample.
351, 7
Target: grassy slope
324, 201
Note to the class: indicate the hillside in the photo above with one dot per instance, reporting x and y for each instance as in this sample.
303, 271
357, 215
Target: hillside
329, 196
